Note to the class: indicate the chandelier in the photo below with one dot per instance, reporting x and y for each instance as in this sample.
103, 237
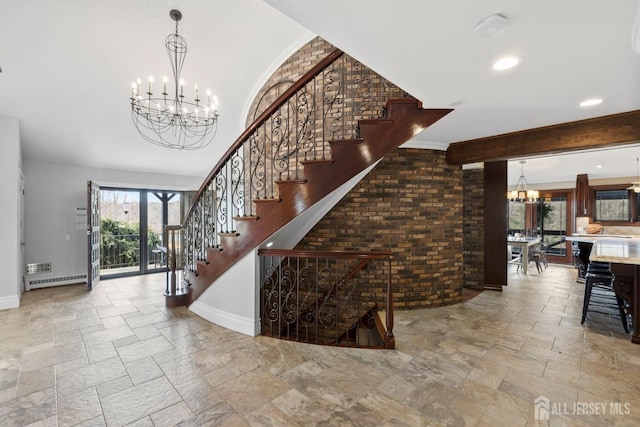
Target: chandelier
169, 119
522, 193
635, 186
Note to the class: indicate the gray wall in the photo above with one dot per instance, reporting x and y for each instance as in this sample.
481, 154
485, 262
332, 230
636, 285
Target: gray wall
52, 194
10, 164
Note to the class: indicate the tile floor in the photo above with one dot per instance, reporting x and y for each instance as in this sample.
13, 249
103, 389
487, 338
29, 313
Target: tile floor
117, 357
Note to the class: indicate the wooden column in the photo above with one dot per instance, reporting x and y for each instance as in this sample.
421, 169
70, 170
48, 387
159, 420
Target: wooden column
495, 224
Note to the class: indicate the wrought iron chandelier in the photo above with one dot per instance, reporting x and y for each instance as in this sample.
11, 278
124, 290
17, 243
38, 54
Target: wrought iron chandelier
170, 120
522, 194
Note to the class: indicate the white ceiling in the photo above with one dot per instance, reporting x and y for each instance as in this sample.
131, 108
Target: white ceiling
67, 67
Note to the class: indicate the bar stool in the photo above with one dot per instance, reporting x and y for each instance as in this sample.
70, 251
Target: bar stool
600, 279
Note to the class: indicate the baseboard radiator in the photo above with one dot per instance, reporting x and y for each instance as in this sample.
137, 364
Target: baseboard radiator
45, 282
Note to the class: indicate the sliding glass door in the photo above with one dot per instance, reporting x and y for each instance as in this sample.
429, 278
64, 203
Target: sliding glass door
132, 230
555, 222
163, 208
550, 219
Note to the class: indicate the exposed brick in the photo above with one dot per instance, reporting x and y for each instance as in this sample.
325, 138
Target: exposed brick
473, 228
428, 262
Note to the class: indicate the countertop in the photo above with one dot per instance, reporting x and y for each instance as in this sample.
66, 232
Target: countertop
616, 250
603, 236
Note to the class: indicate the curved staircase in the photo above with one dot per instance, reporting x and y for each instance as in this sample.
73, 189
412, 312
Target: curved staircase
303, 147
321, 177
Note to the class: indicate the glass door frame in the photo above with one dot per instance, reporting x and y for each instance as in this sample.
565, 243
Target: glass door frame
143, 267
568, 194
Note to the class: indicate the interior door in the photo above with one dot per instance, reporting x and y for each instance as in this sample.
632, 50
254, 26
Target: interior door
93, 235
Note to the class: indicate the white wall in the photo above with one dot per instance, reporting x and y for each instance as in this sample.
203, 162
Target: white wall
53, 192
10, 163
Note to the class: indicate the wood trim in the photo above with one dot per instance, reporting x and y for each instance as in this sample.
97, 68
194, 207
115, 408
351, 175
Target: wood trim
294, 253
599, 132
583, 199
569, 193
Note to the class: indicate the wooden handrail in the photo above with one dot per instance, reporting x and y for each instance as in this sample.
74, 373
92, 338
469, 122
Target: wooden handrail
262, 118
295, 253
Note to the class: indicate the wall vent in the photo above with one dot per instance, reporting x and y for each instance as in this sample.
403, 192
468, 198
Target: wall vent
42, 267
54, 281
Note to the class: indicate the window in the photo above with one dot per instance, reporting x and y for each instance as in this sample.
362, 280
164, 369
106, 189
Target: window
611, 205
516, 218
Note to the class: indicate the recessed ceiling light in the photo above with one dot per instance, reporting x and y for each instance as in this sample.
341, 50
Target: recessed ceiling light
591, 102
598, 166
269, 244
506, 63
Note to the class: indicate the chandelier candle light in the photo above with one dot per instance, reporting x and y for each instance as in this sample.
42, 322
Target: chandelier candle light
172, 121
522, 192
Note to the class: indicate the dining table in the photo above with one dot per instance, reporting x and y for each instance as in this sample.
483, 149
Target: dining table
526, 244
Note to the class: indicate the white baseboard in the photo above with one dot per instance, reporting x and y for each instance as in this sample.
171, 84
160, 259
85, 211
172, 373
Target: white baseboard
244, 325
9, 302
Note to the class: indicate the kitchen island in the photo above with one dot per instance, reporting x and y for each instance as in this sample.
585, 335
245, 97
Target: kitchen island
623, 252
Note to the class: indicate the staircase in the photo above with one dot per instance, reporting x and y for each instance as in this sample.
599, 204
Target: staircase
327, 298
337, 120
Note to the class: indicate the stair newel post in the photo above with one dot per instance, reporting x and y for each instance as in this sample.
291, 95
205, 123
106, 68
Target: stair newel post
389, 337
228, 198
165, 241
172, 264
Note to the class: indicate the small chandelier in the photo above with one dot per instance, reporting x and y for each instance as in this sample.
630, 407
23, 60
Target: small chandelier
635, 186
170, 120
522, 194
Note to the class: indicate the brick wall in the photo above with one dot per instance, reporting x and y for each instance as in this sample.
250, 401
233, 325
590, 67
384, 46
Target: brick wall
291, 70
473, 228
411, 204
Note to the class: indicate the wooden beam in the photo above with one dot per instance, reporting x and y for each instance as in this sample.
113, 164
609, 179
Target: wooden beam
598, 132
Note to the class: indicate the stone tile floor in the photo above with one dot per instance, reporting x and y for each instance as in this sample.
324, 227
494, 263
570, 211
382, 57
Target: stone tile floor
116, 356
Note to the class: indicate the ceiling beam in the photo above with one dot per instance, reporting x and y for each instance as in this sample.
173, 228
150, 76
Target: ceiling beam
598, 132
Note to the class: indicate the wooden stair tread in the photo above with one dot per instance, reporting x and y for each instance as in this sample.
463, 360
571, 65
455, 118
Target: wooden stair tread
375, 122
317, 162
290, 181
246, 218
346, 141
405, 100
229, 234
277, 200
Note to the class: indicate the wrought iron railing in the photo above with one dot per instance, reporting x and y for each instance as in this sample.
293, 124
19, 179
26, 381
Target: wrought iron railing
331, 298
123, 251
119, 251
325, 104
